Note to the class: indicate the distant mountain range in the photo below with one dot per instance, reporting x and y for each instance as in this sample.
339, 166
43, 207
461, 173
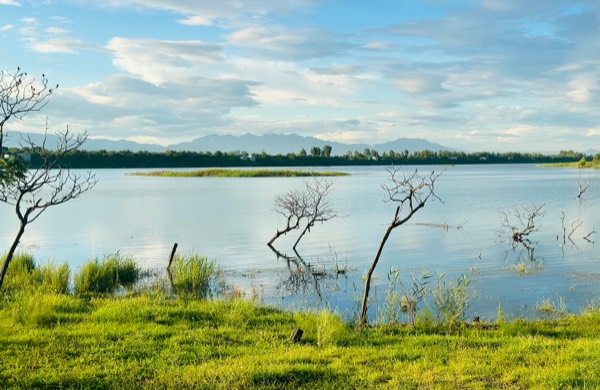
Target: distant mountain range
270, 143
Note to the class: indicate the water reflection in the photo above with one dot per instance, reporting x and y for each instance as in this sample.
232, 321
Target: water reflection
305, 278
229, 220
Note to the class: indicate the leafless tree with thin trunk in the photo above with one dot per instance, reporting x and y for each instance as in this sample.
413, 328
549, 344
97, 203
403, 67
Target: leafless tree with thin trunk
292, 205
21, 94
48, 185
582, 184
307, 206
411, 191
318, 208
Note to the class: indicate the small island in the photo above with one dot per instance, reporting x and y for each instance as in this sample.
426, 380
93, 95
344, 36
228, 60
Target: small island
218, 172
583, 163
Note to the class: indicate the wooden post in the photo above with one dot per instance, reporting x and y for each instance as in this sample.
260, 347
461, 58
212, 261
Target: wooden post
171, 257
296, 335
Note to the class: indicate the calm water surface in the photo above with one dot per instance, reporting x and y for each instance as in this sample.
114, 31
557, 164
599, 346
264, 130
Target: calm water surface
230, 220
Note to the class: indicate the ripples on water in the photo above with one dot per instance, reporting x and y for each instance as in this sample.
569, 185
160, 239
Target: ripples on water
231, 220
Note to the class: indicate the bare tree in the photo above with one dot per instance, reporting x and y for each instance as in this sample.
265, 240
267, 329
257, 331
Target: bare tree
412, 191
21, 94
48, 185
307, 206
318, 208
521, 223
582, 185
292, 205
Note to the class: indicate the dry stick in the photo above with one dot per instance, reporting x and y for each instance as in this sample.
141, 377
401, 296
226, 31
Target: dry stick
574, 226
587, 238
171, 257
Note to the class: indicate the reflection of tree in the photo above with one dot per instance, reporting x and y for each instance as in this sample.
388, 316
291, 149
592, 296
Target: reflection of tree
304, 278
522, 257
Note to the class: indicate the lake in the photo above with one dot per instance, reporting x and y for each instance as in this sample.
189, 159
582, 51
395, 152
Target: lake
231, 220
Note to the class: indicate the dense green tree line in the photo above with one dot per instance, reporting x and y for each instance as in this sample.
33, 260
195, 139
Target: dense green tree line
315, 157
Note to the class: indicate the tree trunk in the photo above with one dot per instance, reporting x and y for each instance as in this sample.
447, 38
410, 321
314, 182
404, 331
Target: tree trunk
307, 228
11, 253
362, 320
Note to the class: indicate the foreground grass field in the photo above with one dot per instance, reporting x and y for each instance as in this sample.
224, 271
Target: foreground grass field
158, 341
219, 172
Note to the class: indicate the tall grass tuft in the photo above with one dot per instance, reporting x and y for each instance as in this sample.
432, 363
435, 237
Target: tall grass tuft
452, 301
25, 274
107, 275
193, 275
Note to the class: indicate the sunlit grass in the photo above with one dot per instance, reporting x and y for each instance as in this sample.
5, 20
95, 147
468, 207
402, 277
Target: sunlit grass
158, 341
218, 172
106, 275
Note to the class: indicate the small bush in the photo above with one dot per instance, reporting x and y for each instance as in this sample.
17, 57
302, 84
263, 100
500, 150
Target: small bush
193, 275
107, 275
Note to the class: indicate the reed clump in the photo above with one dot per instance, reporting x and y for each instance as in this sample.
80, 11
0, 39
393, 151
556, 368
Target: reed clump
24, 273
107, 275
193, 275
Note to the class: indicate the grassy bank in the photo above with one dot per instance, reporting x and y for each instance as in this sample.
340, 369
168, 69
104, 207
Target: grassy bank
109, 333
157, 341
218, 172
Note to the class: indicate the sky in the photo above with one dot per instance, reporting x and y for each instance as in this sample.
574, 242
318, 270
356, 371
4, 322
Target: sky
474, 75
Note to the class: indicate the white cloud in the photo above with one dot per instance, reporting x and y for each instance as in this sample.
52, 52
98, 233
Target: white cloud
10, 2
281, 43
419, 83
6, 27
582, 88
206, 13
57, 31
159, 61
593, 132
519, 130
66, 46
377, 45
196, 20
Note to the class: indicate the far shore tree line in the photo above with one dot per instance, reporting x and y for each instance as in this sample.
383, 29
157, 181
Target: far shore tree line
83, 159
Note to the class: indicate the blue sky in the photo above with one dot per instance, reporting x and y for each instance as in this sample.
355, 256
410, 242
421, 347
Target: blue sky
499, 75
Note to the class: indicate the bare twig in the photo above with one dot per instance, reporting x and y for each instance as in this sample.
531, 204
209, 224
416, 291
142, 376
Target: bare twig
582, 185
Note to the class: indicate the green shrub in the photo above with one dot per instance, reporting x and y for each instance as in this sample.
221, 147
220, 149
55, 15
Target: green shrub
193, 275
106, 276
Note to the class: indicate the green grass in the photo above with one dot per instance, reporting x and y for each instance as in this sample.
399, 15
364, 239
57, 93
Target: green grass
594, 164
193, 275
106, 275
25, 274
218, 172
157, 341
